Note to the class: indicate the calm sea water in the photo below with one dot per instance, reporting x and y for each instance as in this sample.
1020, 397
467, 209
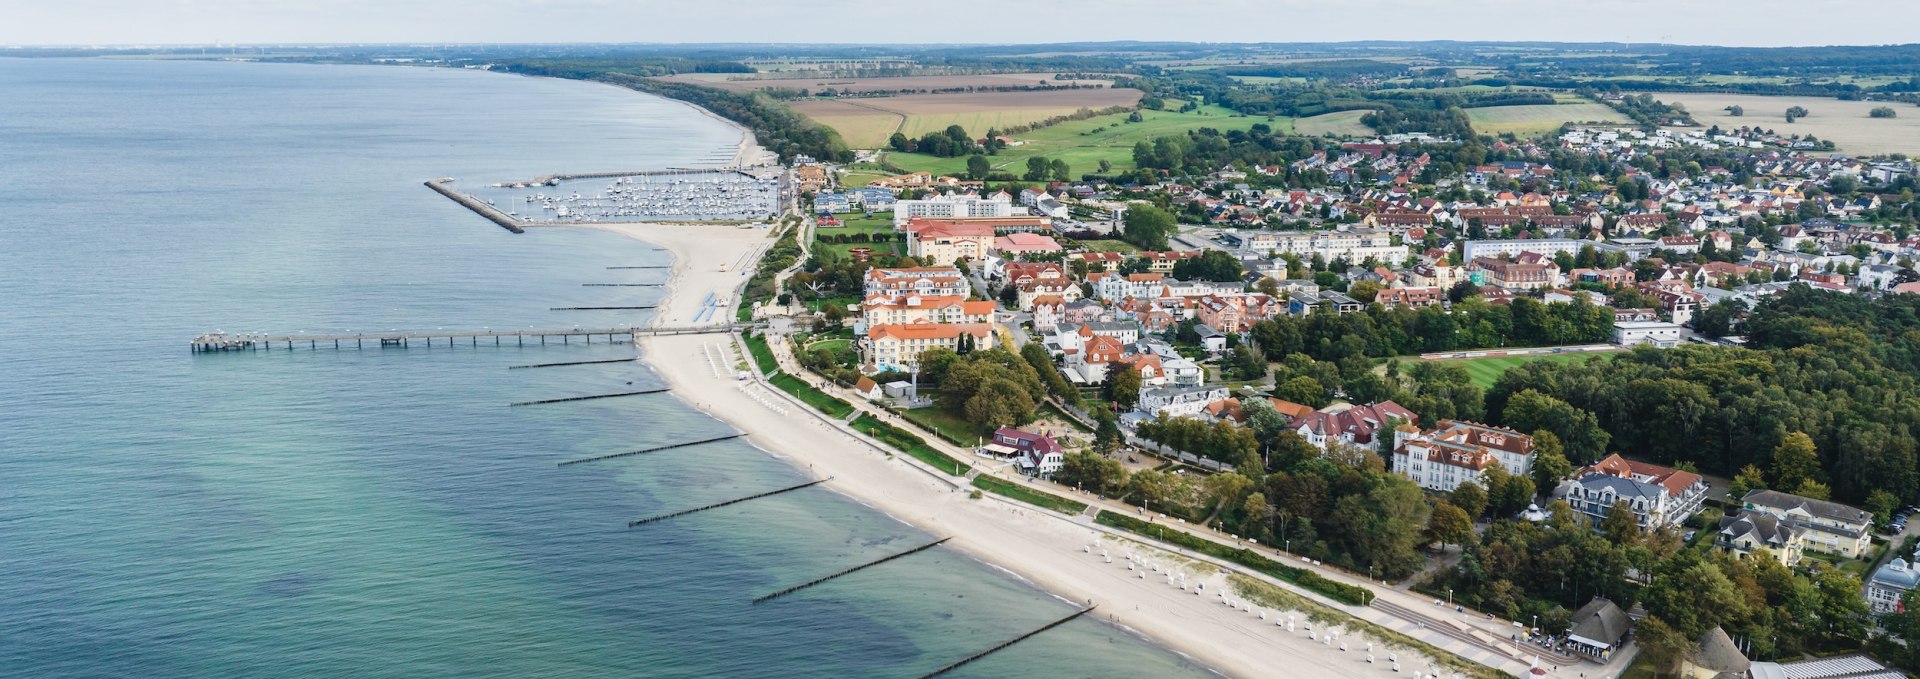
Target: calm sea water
384, 513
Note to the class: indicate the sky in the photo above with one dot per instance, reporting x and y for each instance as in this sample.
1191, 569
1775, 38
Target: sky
1716, 22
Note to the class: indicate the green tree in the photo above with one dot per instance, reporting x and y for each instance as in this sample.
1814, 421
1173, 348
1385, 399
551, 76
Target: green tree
1037, 169
1061, 172
1550, 465
1147, 227
1813, 489
1303, 390
1580, 432
1748, 480
1620, 525
1384, 526
1224, 491
1092, 472
1882, 112
1123, 387
1663, 646
1795, 461
1470, 498
1882, 504
999, 403
978, 167
1107, 436
1449, 525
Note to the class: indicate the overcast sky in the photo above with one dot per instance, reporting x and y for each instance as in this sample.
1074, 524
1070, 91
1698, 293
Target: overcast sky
1724, 22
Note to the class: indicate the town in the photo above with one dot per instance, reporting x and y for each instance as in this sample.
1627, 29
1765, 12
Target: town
1399, 357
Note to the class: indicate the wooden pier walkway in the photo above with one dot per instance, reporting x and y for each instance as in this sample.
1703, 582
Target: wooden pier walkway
215, 342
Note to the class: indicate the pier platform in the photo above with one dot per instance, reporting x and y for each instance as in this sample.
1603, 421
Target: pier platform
222, 341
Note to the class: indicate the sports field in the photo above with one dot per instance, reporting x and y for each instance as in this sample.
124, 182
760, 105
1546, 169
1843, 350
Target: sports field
1487, 369
1527, 121
1084, 143
868, 122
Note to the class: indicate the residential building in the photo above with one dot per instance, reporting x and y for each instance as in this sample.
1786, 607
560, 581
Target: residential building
951, 206
1519, 274
1657, 333
944, 242
1034, 454
1829, 527
1411, 297
1048, 311
1437, 275
1234, 313
1116, 287
1458, 452
898, 347
1179, 401
1301, 303
1891, 581
926, 281
1751, 531
1353, 245
1356, 425
1472, 250
1659, 497
883, 310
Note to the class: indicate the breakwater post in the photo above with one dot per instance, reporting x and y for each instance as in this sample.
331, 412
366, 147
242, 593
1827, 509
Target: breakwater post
555, 365
493, 214
654, 449
717, 505
866, 565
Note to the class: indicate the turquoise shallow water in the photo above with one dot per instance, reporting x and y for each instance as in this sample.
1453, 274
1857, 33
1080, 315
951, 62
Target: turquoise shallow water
384, 513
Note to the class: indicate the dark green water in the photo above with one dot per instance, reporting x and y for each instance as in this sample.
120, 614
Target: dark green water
384, 513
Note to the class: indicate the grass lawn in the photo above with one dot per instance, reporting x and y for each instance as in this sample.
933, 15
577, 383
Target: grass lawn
1486, 370
762, 354
1104, 245
908, 443
948, 425
820, 401
1077, 142
1336, 124
1028, 495
858, 222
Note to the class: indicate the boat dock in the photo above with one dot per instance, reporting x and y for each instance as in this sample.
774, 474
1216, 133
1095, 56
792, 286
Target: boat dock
492, 213
223, 341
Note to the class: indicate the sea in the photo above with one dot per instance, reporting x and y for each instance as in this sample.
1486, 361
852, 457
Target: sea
385, 512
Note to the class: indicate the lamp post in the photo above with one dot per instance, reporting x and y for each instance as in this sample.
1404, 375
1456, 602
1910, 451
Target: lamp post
1449, 597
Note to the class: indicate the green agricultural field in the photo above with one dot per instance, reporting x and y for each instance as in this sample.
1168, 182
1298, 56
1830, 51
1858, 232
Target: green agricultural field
1083, 148
1336, 124
1527, 121
1487, 369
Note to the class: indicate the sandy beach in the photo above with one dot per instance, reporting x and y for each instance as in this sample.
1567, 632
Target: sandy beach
1045, 549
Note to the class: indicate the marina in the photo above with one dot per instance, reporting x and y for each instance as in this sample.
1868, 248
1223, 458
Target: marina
669, 195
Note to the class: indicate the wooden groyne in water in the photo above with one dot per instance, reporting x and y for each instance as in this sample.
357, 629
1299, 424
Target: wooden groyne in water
654, 449
556, 365
869, 564
493, 214
1003, 645
568, 399
717, 505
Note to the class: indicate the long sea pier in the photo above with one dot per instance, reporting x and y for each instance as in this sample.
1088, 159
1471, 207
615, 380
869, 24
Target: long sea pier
221, 341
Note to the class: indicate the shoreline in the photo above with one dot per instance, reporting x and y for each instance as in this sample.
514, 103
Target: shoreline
1044, 550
